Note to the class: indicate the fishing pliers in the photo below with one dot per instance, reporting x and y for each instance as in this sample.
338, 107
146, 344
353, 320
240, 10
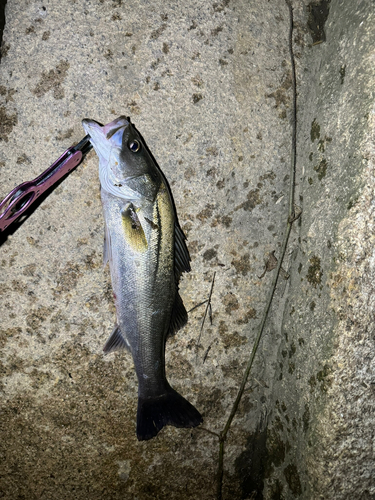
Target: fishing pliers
24, 195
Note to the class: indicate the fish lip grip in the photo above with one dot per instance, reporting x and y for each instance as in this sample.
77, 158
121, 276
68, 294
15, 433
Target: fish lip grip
22, 196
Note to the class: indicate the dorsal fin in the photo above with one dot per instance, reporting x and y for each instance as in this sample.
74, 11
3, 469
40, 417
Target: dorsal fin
181, 253
179, 316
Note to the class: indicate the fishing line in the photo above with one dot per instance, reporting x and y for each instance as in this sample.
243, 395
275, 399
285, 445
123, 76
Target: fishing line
293, 214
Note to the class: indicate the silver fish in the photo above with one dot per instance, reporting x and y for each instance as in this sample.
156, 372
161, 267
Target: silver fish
147, 254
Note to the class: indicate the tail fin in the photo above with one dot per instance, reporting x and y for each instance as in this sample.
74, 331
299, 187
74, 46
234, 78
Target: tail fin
168, 409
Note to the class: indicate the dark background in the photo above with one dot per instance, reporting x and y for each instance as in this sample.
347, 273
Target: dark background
2, 20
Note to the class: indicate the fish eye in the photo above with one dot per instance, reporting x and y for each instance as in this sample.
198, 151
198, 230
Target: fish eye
134, 146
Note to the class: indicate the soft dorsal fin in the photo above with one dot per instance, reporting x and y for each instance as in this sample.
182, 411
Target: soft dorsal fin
181, 253
179, 316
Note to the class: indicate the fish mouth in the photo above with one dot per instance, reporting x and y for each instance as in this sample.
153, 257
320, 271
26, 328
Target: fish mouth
105, 138
90, 125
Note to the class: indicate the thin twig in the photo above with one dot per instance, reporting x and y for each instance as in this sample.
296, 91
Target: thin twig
207, 308
200, 428
290, 220
198, 305
210, 313
206, 353
294, 118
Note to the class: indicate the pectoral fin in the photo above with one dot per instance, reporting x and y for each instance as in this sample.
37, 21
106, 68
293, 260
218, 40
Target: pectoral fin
106, 246
134, 234
116, 341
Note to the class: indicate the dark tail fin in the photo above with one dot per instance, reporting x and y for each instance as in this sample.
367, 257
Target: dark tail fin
169, 409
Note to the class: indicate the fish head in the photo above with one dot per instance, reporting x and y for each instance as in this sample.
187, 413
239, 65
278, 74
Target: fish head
122, 153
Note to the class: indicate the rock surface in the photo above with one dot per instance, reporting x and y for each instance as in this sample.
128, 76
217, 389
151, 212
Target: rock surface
209, 87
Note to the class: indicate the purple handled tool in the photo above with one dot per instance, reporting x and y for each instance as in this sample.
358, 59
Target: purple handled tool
22, 196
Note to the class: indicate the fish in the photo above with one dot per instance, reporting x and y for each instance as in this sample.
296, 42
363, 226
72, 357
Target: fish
147, 254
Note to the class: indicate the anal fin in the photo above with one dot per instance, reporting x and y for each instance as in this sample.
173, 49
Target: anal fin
116, 341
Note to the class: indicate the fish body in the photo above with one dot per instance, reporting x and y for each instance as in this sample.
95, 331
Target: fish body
147, 254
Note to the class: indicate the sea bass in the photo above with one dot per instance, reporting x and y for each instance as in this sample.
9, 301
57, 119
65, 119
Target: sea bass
147, 254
